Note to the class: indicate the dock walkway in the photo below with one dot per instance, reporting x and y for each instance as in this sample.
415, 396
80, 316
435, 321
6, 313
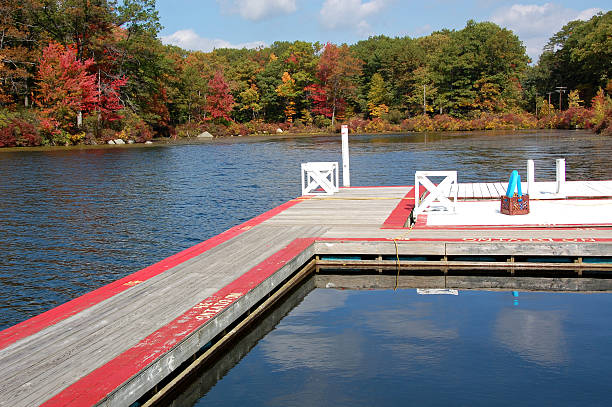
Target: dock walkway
544, 190
111, 346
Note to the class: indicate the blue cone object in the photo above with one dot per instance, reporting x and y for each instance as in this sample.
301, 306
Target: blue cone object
514, 184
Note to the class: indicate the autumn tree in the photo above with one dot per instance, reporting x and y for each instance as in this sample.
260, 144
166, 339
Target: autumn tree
574, 99
337, 72
318, 96
66, 88
242, 67
249, 100
300, 61
18, 52
220, 101
82, 25
377, 96
287, 90
268, 80
374, 54
188, 83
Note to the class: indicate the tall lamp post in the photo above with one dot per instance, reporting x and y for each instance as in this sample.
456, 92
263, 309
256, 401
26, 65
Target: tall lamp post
561, 91
549, 93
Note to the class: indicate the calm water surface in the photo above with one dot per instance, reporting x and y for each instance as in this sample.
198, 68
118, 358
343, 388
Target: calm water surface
390, 348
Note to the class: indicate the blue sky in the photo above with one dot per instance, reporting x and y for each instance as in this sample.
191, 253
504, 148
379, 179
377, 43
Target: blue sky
208, 24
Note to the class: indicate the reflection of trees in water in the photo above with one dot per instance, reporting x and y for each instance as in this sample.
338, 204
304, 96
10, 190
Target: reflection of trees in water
536, 336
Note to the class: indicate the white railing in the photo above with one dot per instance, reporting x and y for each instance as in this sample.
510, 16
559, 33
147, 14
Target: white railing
320, 178
532, 188
438, 195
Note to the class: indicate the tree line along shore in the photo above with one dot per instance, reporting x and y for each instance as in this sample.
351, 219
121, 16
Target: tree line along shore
75, 75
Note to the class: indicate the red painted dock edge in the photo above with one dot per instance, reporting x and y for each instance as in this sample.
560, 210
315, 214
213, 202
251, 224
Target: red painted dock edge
399, 216
94, 387
66, 310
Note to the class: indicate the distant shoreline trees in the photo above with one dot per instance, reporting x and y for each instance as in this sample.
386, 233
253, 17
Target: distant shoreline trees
71, 75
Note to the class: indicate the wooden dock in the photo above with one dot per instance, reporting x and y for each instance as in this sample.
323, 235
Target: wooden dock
117, 343
546, 190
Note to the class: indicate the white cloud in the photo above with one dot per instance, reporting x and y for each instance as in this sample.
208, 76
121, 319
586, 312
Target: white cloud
535, 24
422, 30
256, 10
537, 336
350, 13
189, 39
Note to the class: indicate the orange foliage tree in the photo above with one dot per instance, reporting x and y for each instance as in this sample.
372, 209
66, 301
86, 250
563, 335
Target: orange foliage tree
287, 90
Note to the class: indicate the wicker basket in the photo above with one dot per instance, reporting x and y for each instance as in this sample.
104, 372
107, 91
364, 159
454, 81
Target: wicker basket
515, 205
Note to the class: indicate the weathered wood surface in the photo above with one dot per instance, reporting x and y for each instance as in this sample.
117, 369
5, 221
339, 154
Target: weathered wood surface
543, 190
358, 206
37, 367
342, 231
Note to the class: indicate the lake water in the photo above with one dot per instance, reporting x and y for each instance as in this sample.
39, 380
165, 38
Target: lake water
72, 220
390, 348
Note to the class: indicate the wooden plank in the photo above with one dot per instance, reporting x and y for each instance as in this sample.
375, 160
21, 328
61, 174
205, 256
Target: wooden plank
477, 190
531, 283
529, 249
605, 186
492, 190
381, 281
469, 190
462, 191
501, 190
485, 190
386, 248
599, 188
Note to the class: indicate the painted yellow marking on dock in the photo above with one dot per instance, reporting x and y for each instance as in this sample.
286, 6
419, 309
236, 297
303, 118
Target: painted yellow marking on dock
132, 283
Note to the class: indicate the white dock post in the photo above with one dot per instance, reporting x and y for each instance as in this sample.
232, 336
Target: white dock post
346, 173
560, 174
531, 178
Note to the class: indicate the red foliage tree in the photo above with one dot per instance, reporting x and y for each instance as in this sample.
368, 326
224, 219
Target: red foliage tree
19, 133
109, 102
65, 84
337, 71
318, 96
220, 101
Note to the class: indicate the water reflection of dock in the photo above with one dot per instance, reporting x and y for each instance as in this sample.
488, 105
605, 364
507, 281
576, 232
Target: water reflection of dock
120, 343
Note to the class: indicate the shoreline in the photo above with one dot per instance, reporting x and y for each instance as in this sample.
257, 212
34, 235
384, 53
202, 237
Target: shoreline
157, 142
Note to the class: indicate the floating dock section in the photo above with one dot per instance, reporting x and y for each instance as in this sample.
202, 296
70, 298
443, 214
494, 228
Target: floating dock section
121, 343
